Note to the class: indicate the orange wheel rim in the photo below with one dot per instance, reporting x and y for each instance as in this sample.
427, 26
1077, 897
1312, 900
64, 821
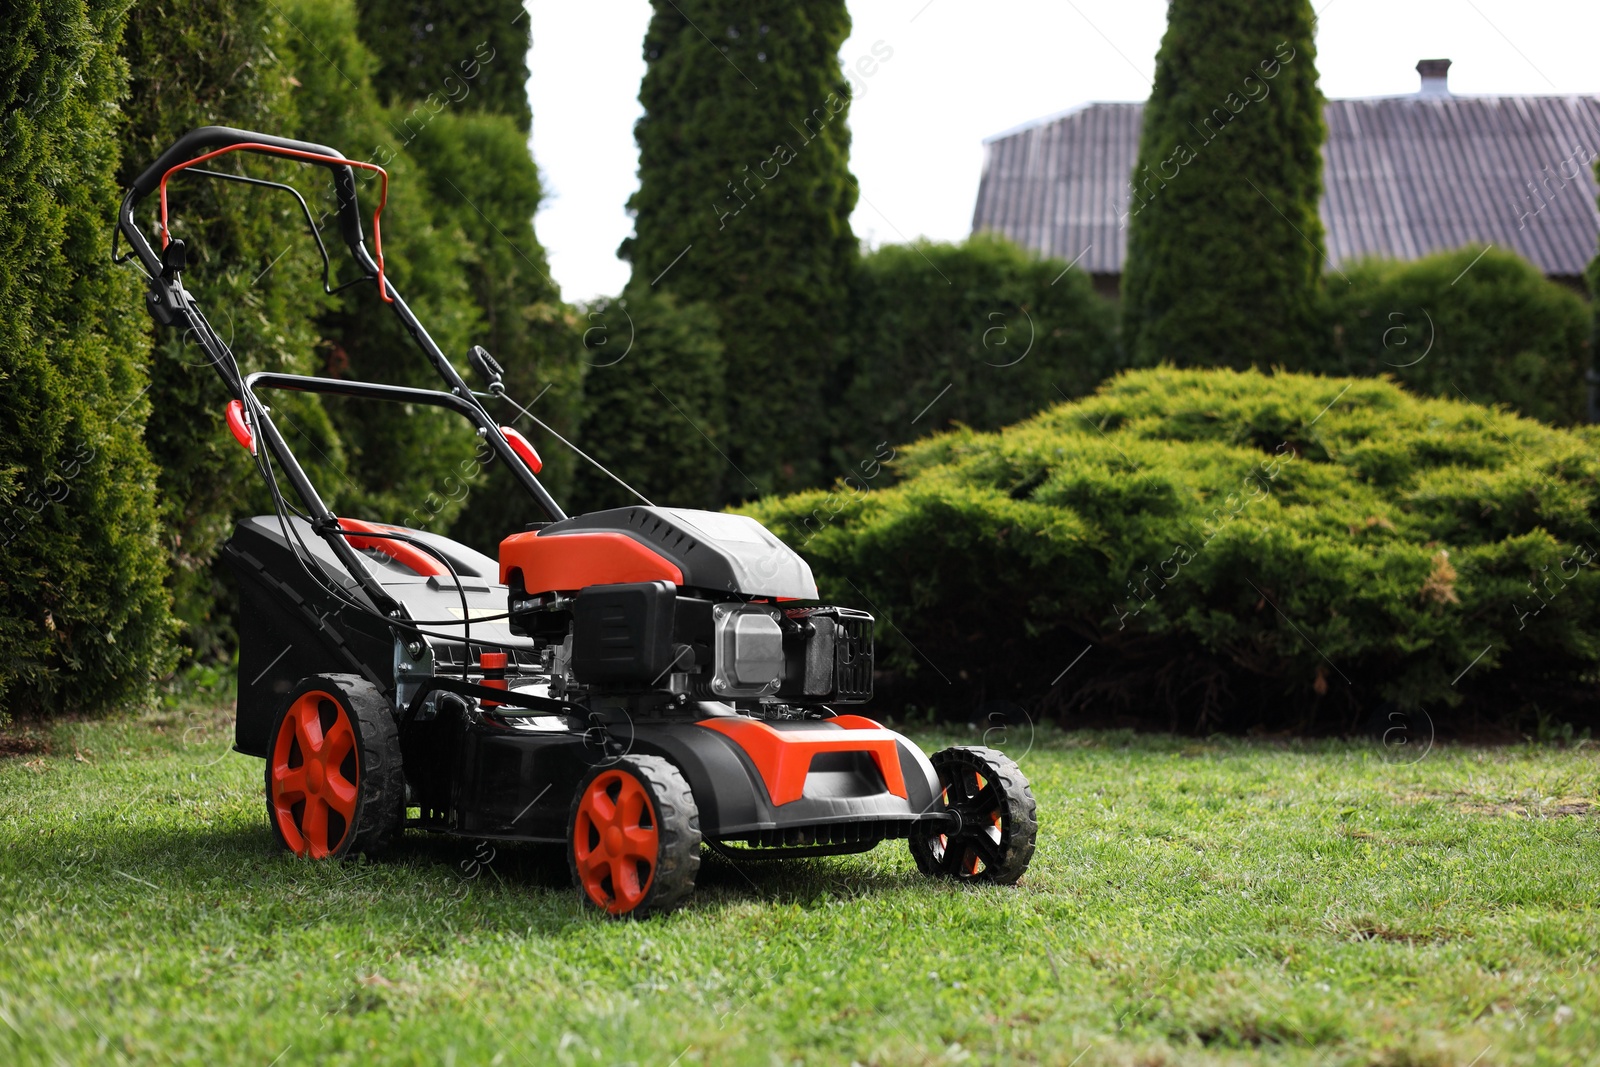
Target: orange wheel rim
315, 769
616, 842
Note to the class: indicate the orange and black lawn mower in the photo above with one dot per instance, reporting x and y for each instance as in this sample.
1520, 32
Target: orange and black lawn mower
634, 683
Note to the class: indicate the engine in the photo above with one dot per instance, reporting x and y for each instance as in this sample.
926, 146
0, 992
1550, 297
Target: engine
702, 605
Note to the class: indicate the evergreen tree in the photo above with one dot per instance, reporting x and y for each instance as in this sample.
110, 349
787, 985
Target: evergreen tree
469, 53
643, 348
84, 620
455, 78
479, 169
402, 463
252, 267
744, 203
1224, 240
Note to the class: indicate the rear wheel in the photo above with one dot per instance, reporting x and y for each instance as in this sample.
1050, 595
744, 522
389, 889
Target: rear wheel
634, 837
334, 781
992, 839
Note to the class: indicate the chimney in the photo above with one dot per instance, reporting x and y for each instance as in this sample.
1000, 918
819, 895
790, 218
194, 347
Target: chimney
1435, 77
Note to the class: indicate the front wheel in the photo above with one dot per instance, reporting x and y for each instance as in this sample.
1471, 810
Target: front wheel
634, 837
993, 823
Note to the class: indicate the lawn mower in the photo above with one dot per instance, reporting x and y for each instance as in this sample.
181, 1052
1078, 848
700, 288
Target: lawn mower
635, 684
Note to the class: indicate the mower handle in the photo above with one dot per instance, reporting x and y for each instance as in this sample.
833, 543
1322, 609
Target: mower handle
206, 138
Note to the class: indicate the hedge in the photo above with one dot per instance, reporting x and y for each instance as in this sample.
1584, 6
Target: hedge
654, 400
1478, 324
84, 622
980, 333
479, 170
252, 268
1227, 550
396, 459
454, 79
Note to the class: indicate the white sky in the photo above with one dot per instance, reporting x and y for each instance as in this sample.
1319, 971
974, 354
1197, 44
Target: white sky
963, 71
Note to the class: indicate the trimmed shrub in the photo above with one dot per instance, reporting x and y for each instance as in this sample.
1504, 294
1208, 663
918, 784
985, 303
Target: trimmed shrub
979, 333
1224, 265
654, 403
744, 203
1471, 324
84, 621
1227, 550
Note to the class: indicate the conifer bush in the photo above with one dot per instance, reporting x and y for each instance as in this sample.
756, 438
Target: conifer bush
454, 80
393, 458
1227, 550
253, 268
479, 171
468, 53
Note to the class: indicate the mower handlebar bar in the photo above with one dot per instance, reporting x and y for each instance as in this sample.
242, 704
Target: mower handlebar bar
204, 138
207, 138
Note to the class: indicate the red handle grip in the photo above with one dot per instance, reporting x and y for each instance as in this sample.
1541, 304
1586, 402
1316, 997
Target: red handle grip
523, 448
239, 426
402, 552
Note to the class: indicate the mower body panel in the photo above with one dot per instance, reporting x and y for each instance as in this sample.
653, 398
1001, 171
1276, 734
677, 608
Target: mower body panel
701, 550
516, 777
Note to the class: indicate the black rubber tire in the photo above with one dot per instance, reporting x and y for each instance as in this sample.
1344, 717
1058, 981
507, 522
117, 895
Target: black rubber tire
380, 780
677, 828
999, 821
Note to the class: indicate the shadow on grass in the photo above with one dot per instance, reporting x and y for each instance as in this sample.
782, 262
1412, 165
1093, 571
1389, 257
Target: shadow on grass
522, 879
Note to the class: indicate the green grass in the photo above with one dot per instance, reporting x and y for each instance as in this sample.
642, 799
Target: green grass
1190, 902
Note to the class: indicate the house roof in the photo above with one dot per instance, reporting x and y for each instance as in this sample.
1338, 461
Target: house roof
1402, 176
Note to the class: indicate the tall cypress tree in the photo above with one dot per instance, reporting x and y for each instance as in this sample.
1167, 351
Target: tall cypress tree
428, 47
84, 620
1224, 240
744, 203
455, 78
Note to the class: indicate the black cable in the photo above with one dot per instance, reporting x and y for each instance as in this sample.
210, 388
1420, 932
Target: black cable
466, 609
329, 586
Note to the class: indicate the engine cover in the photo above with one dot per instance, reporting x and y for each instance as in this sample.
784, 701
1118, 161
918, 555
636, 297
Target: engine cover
705, 550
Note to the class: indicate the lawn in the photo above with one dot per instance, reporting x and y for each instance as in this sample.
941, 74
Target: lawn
1217, 901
